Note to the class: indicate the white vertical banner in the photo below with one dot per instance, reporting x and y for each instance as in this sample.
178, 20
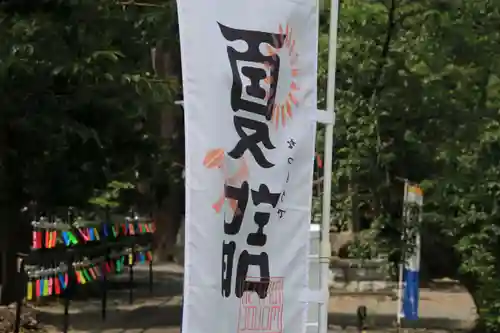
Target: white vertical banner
413, 202
249, 83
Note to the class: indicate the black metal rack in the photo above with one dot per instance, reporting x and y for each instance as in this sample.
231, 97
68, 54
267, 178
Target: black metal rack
66, 255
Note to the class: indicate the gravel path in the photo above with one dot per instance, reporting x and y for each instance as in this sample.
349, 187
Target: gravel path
161, 312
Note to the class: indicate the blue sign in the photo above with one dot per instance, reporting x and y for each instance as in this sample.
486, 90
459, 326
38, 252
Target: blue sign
410, 294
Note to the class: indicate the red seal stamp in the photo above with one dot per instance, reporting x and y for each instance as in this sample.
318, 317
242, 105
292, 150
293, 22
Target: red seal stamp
262, 315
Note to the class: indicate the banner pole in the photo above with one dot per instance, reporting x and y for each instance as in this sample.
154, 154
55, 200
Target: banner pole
402, 260
328, 158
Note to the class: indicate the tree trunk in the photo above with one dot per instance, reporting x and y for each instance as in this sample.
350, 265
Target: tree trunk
471, 284
15, 240
167, 218
169, 209
16, 230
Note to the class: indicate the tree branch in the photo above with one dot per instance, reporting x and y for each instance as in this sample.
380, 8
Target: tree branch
483, 96
377, 82
140, 4
378, 76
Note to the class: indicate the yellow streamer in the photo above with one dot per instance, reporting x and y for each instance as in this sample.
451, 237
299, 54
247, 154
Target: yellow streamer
82, 277
45, 287
29, 292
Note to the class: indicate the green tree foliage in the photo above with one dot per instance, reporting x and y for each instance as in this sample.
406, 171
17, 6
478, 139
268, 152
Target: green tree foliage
81, 107
78, 99
418, 98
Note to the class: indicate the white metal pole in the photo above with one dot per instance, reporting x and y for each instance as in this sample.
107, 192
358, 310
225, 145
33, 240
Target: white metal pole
399, 303
325, 251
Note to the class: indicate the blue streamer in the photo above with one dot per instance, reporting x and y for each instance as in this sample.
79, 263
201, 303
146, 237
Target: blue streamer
61, 279
41, 287
65, 238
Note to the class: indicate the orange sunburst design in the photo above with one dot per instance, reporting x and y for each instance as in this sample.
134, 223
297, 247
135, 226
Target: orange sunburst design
271, 51
285, 99
283, 115
289, 109
288, 39
215, 159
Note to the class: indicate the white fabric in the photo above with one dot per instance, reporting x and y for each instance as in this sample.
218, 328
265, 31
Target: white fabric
414, 196
211, 136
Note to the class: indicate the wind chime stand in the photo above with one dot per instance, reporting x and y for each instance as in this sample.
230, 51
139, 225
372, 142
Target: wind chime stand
20, 297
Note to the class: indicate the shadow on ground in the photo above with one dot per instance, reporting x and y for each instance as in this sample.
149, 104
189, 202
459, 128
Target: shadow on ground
169, 316
160, 311
139, 319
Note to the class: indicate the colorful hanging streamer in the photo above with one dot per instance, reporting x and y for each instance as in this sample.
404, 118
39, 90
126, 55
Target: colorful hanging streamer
69, 238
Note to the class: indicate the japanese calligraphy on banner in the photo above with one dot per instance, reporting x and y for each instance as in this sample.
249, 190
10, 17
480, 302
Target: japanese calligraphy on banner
249, 76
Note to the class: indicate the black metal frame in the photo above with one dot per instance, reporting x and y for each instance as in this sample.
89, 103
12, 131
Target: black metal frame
70, 256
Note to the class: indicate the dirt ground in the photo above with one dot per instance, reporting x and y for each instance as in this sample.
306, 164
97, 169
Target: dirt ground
160, 312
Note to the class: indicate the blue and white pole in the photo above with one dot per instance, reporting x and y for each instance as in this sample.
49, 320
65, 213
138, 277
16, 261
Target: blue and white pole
411, 264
